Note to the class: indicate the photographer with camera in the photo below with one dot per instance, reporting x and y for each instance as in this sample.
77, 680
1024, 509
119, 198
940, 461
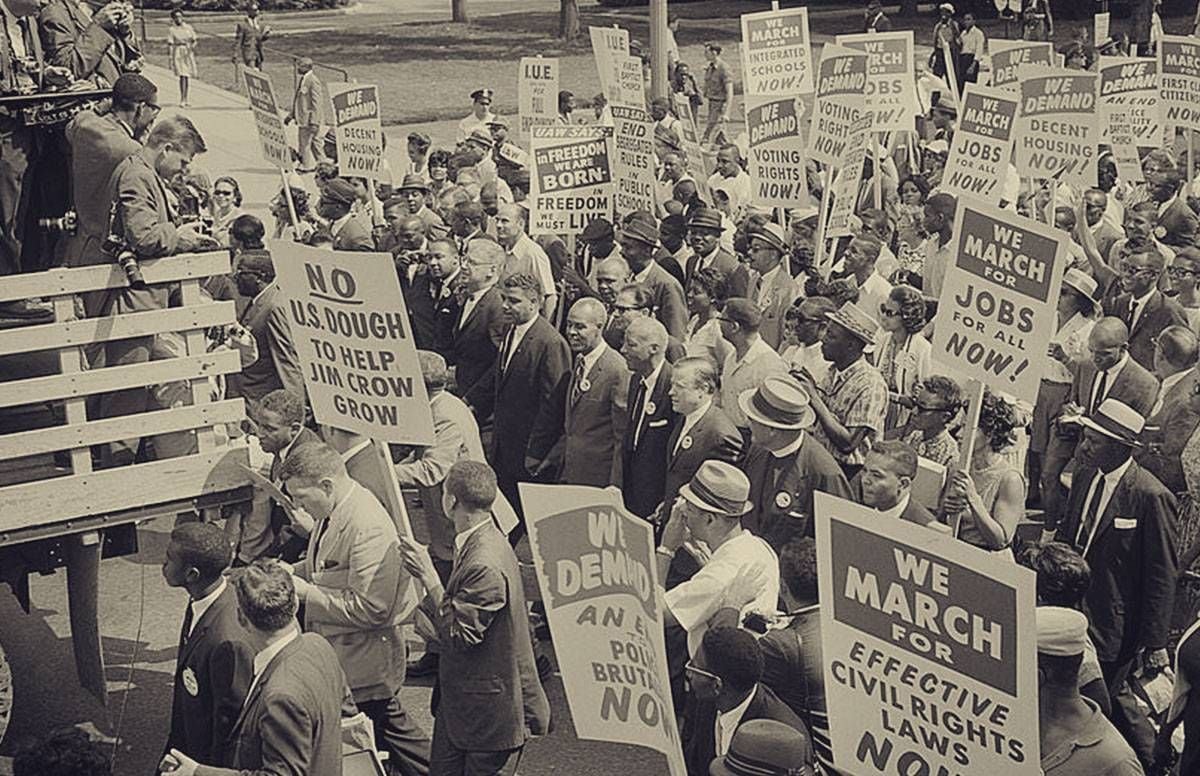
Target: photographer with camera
96, 46
145, 224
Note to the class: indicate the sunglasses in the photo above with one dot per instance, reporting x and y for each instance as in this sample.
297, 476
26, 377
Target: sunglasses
1180, 272
888, 312
222, 193
1129, 270
692, 668
927, 408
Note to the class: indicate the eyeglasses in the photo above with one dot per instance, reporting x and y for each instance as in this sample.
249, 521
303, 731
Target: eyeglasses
1196, 389
887, 311
152, 106
626, 308
1180, 272
692, 668
222, 193
1125, 268
926, 408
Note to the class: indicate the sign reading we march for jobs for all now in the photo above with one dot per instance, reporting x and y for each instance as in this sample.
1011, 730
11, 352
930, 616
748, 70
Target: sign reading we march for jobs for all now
275, 146
358, 130
891, 90
352, 334
982, 145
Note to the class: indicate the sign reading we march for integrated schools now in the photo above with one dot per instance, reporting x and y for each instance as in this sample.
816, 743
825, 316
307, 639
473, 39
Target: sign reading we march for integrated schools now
352, 334
929, 647
1179, 86
999, 298
841, 79
1057, 127
596, 571
777, 53
776, 163
982, 144
571, 181
891, 90
275, 146
358, 130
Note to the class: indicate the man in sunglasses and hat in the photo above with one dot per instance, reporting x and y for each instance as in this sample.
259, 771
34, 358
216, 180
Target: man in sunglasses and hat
1122, 520
413, 194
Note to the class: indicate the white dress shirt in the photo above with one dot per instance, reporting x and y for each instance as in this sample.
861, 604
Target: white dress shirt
727, 723
202, 605
518, 333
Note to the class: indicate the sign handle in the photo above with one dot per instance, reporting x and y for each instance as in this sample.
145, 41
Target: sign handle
287, 194
951, 71
822, 218
967, 446
376, 205
1191, 153
391, 485
876, 172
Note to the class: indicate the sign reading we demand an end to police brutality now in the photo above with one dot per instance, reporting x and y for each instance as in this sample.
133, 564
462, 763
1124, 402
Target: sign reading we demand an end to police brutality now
596, 571
352, 334
1058, 126
271, 136
358, 129
999, 298
930, 650
982, 144
572, 181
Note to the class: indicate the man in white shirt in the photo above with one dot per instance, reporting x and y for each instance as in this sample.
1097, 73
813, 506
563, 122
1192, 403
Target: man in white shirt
938, 249
481, 115
524, 256
974, 47
731, 175
751, 361
873, 289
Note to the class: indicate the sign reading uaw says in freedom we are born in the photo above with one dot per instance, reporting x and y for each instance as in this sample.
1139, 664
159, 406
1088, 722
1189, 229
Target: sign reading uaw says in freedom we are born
572, 180
352, 335
595, 568
929, 648
358, 130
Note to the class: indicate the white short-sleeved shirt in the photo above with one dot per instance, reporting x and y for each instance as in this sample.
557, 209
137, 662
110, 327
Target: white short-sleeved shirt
696, 601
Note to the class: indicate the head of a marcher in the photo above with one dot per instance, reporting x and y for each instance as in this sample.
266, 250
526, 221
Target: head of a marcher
1141, 269
585, 325
1063, 576
520, 298
887, 474
1175, 351
196, 557
64, 752
1108, 342
693, 384
253, 271
727, 667
267, 600
850, 332
135, 100
644, 345
314, 475
468, 491
510, 224
171, 145
442, 259
611, 276
434, 371
706, 291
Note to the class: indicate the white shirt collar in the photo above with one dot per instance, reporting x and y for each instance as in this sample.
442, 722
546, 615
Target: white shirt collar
693, 417
756, 349
791, 449
336, 227
765, 282
460, 539
590, 358
644, 275
202, 605
1172, 380
1142, 300
1112, 478
260, 294
652, 379
264, 658
353, 451
728, 721
895, 512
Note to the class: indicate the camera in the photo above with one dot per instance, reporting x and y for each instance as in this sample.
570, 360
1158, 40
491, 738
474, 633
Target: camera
128, 262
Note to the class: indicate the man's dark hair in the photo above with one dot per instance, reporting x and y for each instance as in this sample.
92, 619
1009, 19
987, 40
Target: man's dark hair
798, 568
527, 283
179, 131
733, 654
266, 595
287, 405
902, 457
203, 546
472, 483
64, 752
1063, 576
248, 230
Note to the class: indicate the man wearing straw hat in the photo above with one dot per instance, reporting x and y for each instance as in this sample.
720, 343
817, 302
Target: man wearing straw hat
783, 465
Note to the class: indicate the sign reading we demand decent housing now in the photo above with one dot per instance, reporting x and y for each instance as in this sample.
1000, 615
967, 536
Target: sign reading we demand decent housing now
358, 130
929, 648
352, 334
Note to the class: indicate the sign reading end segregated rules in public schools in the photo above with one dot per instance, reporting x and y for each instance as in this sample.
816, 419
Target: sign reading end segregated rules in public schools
358, 130
929, 647
351, 330
265, 107
572, 181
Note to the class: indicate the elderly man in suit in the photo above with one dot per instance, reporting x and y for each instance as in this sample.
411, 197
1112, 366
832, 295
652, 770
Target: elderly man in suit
478, 620
704, 229
1122, 520
479, 331
291, 720
306, 110
775, 288
589, 451
91, 46
1173, 418
639, 240
357, 595
652, 419
1144, 308
215, 662
277, 365
248, 38
704, 432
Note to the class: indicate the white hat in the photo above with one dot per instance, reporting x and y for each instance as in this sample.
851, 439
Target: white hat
1061, 631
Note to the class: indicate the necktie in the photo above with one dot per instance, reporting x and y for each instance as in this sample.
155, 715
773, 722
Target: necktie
577, 380
639, 398
1132, 314
316, 548
435, 290
508, 344
186, 630
1091, 514
1098, 395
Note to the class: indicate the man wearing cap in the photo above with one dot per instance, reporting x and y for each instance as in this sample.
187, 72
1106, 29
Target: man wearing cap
639, 240
481, 114
718, 90
785, 467
852, 402
652, 419
599, 242
751, 361
704, 229
349, 234
480, 146
1144, 308
1122, 520
705, 431
1075, 739
1173, 418
267, 320
306, 110
775, 288
945, 36
876, 19
524, 256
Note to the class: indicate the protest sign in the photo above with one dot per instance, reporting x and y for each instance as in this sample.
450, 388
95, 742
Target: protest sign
1129, 111
776, 163
596, 569
982, 145
1100, 27
633, 143
1008, 55
998, 298
1057, 129
352, 334
691, 143
776, 53
629, 89
845, 185
891, 90
571, 182
537, 93
275, 146
1179, 86
358, 131
607, 44
929, 646
841, 80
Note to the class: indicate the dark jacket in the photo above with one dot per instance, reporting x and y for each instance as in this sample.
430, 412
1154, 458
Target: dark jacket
667, 300
278, 365
644, 464
72, 40
590, 448
699, 727
1178, 225
782, 489
354, 236
433, 312
714, 437
1160, 313
476, 342
737, 276
1167, 433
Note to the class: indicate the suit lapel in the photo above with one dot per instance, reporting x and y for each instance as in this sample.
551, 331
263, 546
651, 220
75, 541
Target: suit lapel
201, 626
257, 691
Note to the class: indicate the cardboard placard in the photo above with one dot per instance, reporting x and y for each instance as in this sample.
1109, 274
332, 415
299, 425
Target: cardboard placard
776, 164
1008, 55
891, 89
608, 43
1179, 83
571, 180
271, 136
841, 83
1130, 117
633, 156
358, 129
1057, 125
979, 155
777, 53
1100, 26
537, 93
849, 176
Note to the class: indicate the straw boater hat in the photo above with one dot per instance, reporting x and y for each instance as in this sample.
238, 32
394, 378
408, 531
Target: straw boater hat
719, 487
779, 402
1116, 420
853, 319
1082, 282
770, 233
412, 181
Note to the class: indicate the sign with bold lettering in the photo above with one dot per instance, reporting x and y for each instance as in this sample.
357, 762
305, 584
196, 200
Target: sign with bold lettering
609, 43
1130, 118
929, 647
891, 89
1179, 87
848, 178
777, 53
776, 163
571, 182
358, 130
633, 142
841, 81
596, 570
537, 93
999, 298
982, 145
352, 334
1008, 55
1057, 125
265, 107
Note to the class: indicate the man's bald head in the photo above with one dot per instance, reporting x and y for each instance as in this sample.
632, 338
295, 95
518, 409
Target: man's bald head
611, 274
684, 191
649, 330
589, 309
1108, 342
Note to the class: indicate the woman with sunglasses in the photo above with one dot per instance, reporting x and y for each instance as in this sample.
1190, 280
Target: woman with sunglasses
1183, 279
226, 206
904, 356
935, 405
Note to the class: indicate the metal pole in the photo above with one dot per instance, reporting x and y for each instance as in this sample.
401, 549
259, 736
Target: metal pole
658, 48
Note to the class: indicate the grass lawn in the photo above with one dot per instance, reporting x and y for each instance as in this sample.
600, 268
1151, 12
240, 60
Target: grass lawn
425, 71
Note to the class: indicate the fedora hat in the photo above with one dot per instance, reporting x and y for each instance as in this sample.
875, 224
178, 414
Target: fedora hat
642, 229
852, 318
1116, 420
765, 747
719, 487
412, 181
770, 233
779, 402
705, 218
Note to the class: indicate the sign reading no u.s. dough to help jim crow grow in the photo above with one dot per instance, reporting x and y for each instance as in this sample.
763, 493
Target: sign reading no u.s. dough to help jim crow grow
572, 181
929, 647
352, 335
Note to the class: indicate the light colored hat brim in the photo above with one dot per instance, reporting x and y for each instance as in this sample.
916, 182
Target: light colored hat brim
699, 503
1087, 422
745, 401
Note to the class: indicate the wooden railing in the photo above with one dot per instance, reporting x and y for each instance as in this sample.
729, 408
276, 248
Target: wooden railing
66, 500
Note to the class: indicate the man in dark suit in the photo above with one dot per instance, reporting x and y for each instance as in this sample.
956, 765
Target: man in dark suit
725, 677
589, 451
784, 465
634, 300
885, 483
652, 419
291, 720
478, 622
433, 307
215, 661
526, 392
1177, 224
278, 365
704, 235
1143, 308
349, 232
249, 35
704, 431
1174, 415
479, 331
639, 240
89, 45
1122, 520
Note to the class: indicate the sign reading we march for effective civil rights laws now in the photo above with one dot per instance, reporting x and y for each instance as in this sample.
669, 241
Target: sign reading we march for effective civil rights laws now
929, 647
999, 298
351, 330
777, 53
982, 144
571, 182
263, 104
358, 130
595, 568
1057, 125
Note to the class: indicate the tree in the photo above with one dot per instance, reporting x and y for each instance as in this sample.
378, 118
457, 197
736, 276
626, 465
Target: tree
458, 11
568, 19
